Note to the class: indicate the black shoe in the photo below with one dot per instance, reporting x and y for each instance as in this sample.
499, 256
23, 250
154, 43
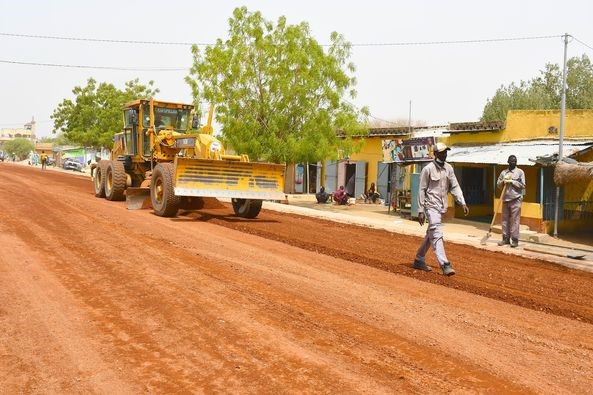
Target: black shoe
421, 265
448, 269
514, 243
504, 241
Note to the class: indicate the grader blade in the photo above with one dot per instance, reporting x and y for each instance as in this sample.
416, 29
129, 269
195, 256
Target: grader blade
229, 179
138, 198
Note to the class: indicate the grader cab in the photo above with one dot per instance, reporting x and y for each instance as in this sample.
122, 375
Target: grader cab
159, 160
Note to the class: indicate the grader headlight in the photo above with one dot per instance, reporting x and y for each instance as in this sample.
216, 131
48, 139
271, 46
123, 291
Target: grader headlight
187, 142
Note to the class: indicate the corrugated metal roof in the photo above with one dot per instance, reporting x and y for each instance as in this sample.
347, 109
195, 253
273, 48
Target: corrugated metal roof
525, 151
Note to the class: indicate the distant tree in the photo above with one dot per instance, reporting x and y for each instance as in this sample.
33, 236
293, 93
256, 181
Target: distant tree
544, 92
21, 147
278, 94
95, 115
59, 139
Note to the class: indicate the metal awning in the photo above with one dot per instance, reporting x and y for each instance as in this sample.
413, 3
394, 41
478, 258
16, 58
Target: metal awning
527, 152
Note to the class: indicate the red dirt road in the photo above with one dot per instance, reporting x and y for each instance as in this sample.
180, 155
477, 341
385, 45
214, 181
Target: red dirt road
98, 299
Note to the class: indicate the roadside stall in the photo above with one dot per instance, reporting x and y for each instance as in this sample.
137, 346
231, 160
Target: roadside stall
406, 158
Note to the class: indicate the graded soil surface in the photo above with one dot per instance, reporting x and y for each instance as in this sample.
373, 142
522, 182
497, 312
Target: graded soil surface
95, 298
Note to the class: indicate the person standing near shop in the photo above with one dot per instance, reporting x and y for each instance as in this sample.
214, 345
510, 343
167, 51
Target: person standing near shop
513, 180
436, 180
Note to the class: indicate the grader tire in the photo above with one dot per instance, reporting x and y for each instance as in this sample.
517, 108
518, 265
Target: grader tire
115, 181
162, 196
99, 178
246, 208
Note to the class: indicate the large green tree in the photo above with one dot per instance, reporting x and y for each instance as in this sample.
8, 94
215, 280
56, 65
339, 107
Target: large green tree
20, 147
278, 94
95, 114
544, 92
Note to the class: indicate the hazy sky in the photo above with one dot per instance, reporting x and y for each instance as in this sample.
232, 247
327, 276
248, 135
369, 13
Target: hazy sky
445, 82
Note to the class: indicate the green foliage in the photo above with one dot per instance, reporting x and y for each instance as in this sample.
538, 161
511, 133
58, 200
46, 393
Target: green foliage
544, 92
21, 147
278, 95
59, 139
95, 115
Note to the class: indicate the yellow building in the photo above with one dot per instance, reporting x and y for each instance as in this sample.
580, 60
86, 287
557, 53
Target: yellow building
479, 153
27, 131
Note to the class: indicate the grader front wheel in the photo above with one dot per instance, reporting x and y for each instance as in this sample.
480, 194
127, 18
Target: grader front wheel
162, 196
246, 208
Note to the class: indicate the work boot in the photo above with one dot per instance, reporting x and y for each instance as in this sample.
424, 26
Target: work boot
514, 243
504, 241
421, 265
447, 269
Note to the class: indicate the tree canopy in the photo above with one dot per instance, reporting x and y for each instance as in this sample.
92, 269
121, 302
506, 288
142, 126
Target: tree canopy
21, 147
95, 114
545, 91
278, 95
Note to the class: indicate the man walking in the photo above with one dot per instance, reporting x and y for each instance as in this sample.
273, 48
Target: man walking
43, 158
513, 179
436, 180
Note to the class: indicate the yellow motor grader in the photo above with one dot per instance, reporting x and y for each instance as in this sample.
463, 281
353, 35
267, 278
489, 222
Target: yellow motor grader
160, 160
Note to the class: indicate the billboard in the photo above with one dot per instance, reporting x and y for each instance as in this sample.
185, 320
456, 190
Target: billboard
418, 149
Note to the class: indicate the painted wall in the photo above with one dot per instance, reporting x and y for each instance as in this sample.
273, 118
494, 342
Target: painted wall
524, 125
371, 153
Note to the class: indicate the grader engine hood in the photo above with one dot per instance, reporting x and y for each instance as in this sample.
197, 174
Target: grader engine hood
229, 179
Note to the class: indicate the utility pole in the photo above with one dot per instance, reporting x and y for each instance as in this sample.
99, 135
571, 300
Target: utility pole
561, 137
410, 119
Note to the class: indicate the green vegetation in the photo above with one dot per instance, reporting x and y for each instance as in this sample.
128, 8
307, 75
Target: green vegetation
21, 147
279, 95
95, 115
544, 92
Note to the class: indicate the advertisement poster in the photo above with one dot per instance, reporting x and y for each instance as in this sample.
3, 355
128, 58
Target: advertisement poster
417, 149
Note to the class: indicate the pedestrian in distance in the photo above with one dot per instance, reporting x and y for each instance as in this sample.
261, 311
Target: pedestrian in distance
513, 180
436, 180
322, 196
340, 196
372, 194
43, 158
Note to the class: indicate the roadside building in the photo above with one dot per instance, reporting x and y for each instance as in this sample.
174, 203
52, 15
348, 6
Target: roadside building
28, 131
479, 152
392, 158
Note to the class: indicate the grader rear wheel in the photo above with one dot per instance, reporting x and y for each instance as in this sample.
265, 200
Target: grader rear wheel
162, 196
246, 208
99, 178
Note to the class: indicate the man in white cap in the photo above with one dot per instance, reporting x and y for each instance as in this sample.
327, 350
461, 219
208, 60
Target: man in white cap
513, 179
436, 180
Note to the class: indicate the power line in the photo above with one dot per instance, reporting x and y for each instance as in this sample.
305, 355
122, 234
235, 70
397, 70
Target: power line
153, 69
99, 40
180, 43
579, 41
476, 41
94, 67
